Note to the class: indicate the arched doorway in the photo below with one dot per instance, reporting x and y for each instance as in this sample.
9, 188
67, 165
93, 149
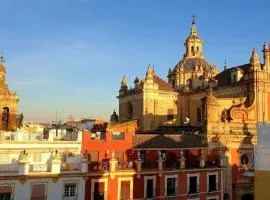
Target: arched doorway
247, 196
5, 118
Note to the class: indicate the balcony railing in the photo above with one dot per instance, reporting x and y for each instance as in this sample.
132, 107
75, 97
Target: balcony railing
171, 165
98, 166
38, 168
148, 164
125, 165
6, 168
70, 167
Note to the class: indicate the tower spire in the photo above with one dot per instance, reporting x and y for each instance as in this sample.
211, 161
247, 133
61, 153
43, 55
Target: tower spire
193, 42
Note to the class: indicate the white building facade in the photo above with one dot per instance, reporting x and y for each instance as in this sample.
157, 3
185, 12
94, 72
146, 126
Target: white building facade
32, 168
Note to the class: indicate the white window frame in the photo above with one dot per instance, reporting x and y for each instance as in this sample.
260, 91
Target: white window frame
154, 178
70, 182
130, 179
198, 181
212, 197
176, 184
12, 189
208, 175
102, 180
38, 183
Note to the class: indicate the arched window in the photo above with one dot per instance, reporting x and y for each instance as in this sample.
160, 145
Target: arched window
189, 83
5, 118
199, 115
129, 110
192, 48
198, 48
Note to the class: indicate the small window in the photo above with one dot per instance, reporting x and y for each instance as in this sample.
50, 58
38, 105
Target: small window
244, 159
70, 190
5, 192
192, 48
38, 191
171, 186
198, 48
117, 136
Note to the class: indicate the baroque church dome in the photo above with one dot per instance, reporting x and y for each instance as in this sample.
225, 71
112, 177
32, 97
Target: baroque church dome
193, 64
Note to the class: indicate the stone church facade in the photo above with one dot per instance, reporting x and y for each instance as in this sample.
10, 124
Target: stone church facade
8, 102
227, 105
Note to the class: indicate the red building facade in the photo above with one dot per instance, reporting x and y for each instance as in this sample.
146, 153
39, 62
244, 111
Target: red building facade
126, 165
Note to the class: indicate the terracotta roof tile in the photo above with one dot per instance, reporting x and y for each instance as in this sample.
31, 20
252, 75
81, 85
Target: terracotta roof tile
163, 85
165, 141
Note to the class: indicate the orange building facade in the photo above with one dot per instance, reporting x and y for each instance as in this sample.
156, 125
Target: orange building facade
151, 165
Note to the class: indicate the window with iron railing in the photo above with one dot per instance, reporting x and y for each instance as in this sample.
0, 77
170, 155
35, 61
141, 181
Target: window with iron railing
5, 196
5, 192
70, 190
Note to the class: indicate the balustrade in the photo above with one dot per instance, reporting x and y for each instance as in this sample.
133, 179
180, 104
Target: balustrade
4, 168
38, 167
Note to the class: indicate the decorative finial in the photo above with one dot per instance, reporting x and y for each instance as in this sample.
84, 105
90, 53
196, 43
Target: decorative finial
113, 154
124, 81
2, 59
193, 18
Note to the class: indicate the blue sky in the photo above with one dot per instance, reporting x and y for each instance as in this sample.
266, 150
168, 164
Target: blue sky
70, 55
